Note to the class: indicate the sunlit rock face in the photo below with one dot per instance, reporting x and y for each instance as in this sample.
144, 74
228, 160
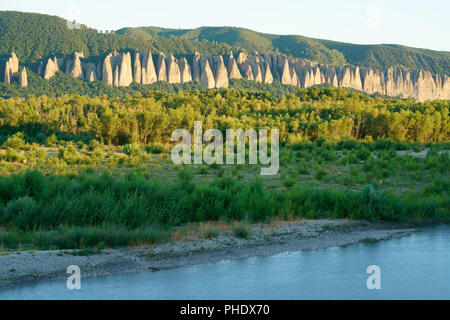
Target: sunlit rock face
185, 71
23, 79
161, 70
173, 70
73, 65
89, 72
233, 70
206, 74
11, 67
51, 68
121, 69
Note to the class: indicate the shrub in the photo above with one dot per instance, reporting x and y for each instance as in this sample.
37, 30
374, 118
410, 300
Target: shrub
23, 211
241, 230
16, 142
94, 145
157, 148
363, 154
69, 153
51, 141
14, 156
302, 169
290, 182
320, 173
210, 233
132, 149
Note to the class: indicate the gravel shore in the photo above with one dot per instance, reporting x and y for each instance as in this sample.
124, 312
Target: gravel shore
21, 268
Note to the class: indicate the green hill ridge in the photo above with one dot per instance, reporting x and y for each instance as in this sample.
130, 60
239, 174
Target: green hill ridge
35, 36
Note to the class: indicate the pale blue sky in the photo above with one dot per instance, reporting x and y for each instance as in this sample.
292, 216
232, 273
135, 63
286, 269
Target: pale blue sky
416, 23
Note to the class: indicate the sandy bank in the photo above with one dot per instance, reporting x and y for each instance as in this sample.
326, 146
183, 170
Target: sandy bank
20, 268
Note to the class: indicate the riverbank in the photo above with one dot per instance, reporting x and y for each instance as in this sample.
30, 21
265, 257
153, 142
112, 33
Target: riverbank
21, 268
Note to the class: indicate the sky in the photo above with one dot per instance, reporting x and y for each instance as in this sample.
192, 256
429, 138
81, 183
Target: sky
415, 23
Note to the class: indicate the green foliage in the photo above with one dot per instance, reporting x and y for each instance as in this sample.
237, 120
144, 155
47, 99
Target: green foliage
320, 173
36, 36
21, 211
36, 202
241, 230
157, 148
16, 141
131, 149
323, 114
323, 51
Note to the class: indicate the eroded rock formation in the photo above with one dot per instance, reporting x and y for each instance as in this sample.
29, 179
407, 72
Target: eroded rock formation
161, 68
148, 69
233, 70
23, 79
51, 68
206, 74
119, 69
73, 66
11, 67
185, 71
221, 73
173, 70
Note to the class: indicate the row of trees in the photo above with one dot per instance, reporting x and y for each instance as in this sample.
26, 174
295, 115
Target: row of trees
310, 114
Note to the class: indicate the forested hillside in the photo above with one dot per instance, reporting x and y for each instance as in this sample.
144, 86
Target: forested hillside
34, 36
323, 51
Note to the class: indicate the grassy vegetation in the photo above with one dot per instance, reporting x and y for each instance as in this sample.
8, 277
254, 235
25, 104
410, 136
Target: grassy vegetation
117, 209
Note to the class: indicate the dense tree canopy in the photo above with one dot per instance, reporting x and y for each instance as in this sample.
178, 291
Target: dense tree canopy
310, 114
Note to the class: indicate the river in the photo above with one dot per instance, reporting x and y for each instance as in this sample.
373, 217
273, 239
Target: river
412, 267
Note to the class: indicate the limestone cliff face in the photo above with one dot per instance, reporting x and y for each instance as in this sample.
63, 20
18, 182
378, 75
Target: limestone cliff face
89, 72
116, 76
107, 70
267, 76
73, 66
286, 77
233, 70
257, 74
173, 70
185, 71
51, 68
8, 74
206, 74
118, 69
23, 79
221, 73
137, 68
11, 67
196, 67
148, 69
161, 70
125, 70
